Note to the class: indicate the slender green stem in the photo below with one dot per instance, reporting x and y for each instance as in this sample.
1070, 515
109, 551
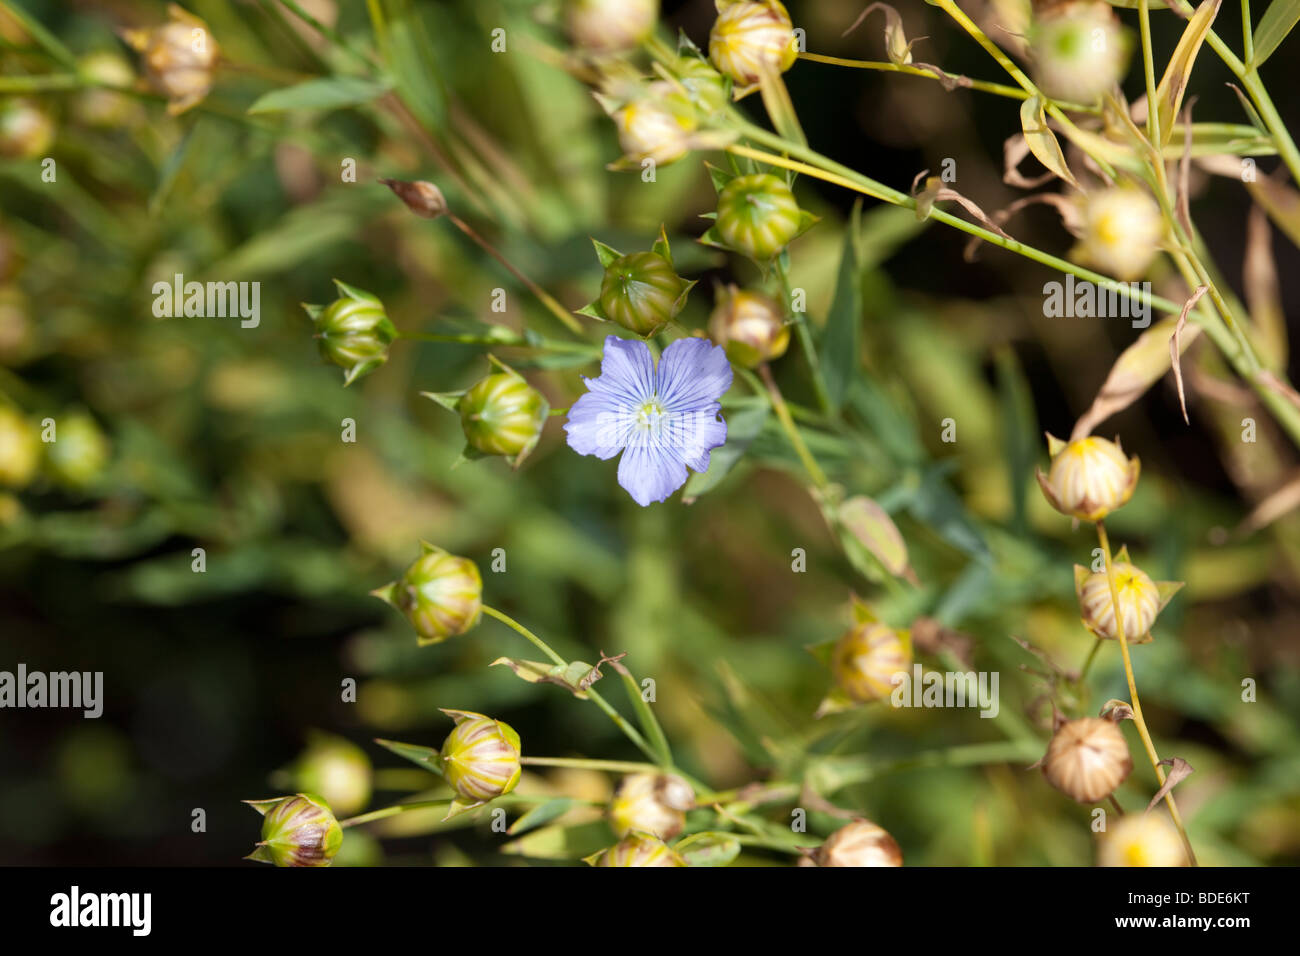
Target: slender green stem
965, 82
1087, 664
385, 812
47, 40
41, 83
524, 632
791, 429
503, 339
1148, 69
1104, 540
582, 763
1247, 32
329, 33
804, 334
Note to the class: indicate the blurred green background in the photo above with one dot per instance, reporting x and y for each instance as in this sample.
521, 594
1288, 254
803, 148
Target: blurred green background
228, 439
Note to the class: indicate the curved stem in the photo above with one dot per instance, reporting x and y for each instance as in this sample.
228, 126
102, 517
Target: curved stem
1104, 540
791, 430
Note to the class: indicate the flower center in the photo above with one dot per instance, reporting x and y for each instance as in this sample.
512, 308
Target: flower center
651, 415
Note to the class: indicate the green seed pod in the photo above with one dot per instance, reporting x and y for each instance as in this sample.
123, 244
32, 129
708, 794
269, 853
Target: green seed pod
641, 292
651, 803
26, 130
758, 215
296, 831
102, 107
866, 659
335, 768
705, 86
1080, 51
639, 849
750, 326
353, 332
503, 415
609, 26
657, 125
79, 452
20, 449
440, 594
748, 35
480, 757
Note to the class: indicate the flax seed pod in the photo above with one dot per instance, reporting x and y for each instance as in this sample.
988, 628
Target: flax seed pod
440, 594
503, 415
705, 86
860, 843
758, 215
180, 58
79, 453
651, 803
1080, 51
641, 292
1141, 839
26, 130
1121, 232
657, 125
1088, 478
639, 849
353, 332
297, 831
20, 449
604, 27
104, 107
480, 757
1140, 601
750, 326
865, 660
1087, 759
747, 35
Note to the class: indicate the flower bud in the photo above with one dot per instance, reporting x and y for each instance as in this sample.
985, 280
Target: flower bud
296, 831
79, 452
1141, 839
1088, 478
353, 332
1122, 229
860, 843
335, 768
503, 415
639, 849
758, 215
747, 35
440, 594
180, 58
657, 125
20, 449
1080, 51
421, 197
705, 86
1087, 759
26, 130
641, 292
104, 107
609, 26
865, 660
480, 758
750, 326
1140, 600
651, 803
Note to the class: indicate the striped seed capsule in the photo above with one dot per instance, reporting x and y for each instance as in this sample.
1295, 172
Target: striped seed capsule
609, 26
480, 757
640, 849
440, 594
1088, 477
657, 125
651, 803
641, 292
860, 843
750, 326
353, 332
748, 35
1140, 601
503, 415
1087, 759
705, 87
865, 660
758, 215
297, 831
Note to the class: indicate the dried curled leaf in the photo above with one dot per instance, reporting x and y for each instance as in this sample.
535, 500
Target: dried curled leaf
897, 47
1116, 710
1169, 94
1175, 350
1042, 141
1179, 770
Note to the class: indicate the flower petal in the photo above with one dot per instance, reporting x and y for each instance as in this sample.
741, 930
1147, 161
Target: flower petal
627, 372
692, 435
598, 425
650, 472
693, 373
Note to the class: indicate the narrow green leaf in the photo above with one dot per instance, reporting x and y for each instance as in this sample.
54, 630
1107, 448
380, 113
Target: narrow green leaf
1279, 20
542, 814
1019, 430
839, 348
1042, 141
708, 849
424, 757
645, 716
326, 93
1169, 94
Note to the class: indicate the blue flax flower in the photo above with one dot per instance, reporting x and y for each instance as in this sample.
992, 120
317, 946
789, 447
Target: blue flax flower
663, 420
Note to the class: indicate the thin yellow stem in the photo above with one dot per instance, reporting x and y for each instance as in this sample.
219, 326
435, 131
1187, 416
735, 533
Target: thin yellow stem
792, 431
1104, 540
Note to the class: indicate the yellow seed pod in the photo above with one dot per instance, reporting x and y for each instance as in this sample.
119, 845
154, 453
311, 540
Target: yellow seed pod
20, 449
480, 757
639, 849
750, 326
1122, 229
657, 125
1088, 477
1145, 839
653, 803
860, 843
865, 660
746, 36
441, 594
1140, 600
1087, 759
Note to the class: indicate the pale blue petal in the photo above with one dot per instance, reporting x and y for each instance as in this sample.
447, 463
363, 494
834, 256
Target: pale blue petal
693, 373
693, 434
650, 472
598, 425
627, 372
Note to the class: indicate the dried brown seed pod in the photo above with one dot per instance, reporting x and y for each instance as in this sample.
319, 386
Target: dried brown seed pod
1087, 759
